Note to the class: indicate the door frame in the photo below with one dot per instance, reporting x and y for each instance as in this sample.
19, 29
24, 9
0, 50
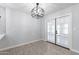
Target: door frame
70, 31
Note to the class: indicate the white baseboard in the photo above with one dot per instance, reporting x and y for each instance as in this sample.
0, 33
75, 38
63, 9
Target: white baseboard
74, 50
44, 39
2, 49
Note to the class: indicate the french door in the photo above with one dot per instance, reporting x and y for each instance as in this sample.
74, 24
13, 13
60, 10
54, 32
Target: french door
58, 31
51, 31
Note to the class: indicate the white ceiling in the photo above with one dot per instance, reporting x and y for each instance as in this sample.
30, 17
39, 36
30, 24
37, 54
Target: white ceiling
48, 7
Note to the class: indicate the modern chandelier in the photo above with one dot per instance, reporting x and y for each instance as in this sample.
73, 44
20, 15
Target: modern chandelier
37, 12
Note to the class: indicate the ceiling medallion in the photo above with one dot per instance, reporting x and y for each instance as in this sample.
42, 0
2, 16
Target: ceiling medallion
37, 12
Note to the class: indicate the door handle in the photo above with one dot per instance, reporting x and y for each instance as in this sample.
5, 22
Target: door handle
56, 31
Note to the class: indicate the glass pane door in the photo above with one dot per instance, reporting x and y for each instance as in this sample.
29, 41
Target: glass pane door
51, 31
62, 27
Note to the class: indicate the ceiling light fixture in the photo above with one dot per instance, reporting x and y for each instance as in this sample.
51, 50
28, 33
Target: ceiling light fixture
37, 12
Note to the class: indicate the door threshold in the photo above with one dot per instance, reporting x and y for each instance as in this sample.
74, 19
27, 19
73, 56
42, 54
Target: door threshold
58, 45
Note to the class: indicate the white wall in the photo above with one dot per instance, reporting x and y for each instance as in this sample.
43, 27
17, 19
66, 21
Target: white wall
20, 28
2, 20
75, 20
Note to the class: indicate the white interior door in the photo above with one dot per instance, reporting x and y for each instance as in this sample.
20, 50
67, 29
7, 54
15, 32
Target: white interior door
51, 31
62, 27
